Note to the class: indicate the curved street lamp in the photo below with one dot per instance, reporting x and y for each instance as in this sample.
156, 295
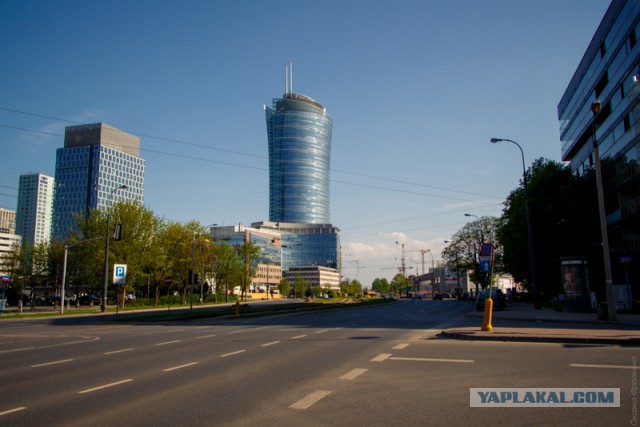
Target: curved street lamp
532, 252
103, 308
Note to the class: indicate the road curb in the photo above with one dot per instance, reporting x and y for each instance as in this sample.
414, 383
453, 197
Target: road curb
632, 342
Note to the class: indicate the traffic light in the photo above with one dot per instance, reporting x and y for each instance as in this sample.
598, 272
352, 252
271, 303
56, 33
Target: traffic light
117, 232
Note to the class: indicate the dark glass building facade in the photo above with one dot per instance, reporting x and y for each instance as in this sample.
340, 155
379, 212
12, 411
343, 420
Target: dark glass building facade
95, 160
610, 72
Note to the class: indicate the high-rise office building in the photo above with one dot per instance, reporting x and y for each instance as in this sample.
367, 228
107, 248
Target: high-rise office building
299, 135
610, 72
96, 160
7, 220
35, 208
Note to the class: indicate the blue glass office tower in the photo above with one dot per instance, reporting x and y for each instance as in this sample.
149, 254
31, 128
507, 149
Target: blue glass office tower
96, 159
610, 72
299, 133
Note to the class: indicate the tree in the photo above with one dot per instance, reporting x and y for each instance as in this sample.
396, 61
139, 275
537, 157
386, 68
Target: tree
228, 268
137, 247
564, 217
284, 287
351, 287
248, 252
464, 248
399, 284
381, 285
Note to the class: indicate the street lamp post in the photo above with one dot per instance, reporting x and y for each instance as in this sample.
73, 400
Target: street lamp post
532, 246
193, 266
106, 251
433, 273
609, 288
482, 242
457, 270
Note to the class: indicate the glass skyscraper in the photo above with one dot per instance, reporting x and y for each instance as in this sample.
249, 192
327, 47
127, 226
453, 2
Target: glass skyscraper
96, 159
610, 72
299, 133
35, 208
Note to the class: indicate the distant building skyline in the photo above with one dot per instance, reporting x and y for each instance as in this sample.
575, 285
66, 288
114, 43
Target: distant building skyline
96, 160
34, 214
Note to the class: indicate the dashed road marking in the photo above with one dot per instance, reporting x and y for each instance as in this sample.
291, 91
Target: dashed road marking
179, 367
231, 354
322, 331
118, 351
52, 363
168, 342
270, 343
401, 346
426, 359
581, 365
299, 336
381, 357
11, 411
205, 336
89, 390
353, 374
309, 400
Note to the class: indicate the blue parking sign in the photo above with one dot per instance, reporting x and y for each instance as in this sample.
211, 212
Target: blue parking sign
119, 274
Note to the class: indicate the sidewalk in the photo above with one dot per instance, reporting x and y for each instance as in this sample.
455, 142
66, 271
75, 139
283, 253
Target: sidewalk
520, 322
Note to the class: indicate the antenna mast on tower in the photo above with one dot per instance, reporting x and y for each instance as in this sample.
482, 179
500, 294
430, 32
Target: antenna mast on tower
288, 78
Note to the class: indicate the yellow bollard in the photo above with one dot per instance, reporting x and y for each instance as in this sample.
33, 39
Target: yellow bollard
488, 311
237, 308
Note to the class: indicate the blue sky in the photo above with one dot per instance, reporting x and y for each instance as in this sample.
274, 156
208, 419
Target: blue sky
415, 88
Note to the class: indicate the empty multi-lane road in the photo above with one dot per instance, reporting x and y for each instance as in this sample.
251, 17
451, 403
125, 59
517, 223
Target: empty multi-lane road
380, 365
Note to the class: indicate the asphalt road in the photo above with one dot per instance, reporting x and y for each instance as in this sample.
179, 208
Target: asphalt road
375, 366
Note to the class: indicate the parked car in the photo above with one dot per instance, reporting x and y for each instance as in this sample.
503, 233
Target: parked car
417, 295
498, 297
89, 299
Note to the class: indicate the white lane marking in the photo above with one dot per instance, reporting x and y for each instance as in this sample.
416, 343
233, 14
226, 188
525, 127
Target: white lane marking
270, 343
355, 373
381, 357
10, 411
205, 336
401, 346
306, 402
168, 342
299, 336
231, 354
581, 365
89, 390
322, 331
236, 332
16, 349
52, 363
426, 359
118, 351
179, 367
